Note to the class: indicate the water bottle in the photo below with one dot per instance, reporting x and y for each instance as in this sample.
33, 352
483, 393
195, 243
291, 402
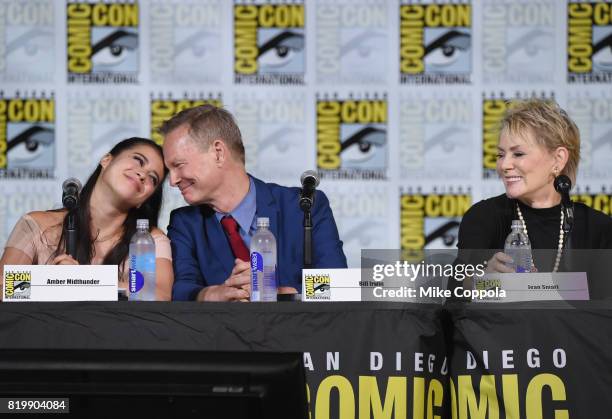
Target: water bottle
263, 263
141, 281
518, 248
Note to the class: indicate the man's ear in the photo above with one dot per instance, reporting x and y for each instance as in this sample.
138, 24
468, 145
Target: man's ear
220, 151
105, 161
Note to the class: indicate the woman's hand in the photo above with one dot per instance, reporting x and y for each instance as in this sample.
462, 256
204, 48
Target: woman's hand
64, 260
498, 264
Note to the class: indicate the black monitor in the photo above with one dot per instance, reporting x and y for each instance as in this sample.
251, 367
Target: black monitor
173, 384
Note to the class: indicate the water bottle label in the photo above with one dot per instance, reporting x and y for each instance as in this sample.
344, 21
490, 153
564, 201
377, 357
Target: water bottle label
136, 280
257, 270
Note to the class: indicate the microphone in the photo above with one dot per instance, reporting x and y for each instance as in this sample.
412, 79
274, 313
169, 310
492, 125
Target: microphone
563, 185
309, 181
70, 196
70, 199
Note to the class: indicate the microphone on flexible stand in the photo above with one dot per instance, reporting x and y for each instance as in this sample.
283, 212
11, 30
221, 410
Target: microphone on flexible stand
70, 200
309, 181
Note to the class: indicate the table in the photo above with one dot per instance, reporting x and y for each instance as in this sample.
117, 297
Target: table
370, 359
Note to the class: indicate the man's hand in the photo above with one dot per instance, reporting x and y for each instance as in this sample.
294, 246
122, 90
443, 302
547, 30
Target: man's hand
498, 263
235, 288
287, 290
240, 276
222, 293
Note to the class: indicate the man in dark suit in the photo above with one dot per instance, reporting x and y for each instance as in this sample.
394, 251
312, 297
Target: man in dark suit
210, 238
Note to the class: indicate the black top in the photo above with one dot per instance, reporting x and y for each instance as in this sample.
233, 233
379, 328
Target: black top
487, 224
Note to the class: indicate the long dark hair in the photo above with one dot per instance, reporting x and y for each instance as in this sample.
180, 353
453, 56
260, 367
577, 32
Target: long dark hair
149, 210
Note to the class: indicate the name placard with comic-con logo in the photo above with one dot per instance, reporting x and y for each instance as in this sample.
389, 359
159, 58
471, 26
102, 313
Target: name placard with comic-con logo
27, 135
186, 39
352, 136
321, 285
165, 105
60, 283
589, 39
435, 41
541, 286
352, 41
102, 43
430, 220
27, 41
269, 42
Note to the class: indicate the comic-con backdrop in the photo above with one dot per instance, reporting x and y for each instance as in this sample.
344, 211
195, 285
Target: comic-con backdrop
393, 102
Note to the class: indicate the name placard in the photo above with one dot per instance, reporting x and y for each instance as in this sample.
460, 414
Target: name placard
533, 287
60, 283
331, 285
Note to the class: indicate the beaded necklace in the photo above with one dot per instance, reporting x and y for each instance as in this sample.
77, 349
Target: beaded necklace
561, 234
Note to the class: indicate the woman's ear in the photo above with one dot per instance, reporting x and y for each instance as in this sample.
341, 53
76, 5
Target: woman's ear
105, 161
561, 155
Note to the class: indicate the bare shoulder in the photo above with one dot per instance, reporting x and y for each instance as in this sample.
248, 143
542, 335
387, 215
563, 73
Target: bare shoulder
156, 232
46, 219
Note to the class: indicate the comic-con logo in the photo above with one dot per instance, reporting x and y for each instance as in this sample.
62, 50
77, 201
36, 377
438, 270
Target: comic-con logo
96, 121
269, 43
17, 285
361, 214
435, 42
317, 287
435, 137
165, 107
589, 42
15, 200
352, 137
592, 113
186, 41
601, 201
352, 42
27, 137
494, 107
102, 42
518, 40
272, 126
27, 41
431, 221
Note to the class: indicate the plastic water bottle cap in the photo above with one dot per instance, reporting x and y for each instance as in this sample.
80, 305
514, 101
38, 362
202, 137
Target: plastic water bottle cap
142, 223
263, 222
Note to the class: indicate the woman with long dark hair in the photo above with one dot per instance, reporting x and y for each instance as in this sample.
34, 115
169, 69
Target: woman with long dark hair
126, 186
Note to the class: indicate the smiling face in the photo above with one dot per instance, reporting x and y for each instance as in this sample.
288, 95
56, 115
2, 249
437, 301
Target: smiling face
194, 171
526, 168
134, 174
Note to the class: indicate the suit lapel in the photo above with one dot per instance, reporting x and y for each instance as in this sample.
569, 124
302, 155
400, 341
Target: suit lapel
217, 240
267, 206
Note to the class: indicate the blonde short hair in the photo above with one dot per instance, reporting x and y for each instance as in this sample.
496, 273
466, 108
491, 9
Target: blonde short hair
550, 125
207, 123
